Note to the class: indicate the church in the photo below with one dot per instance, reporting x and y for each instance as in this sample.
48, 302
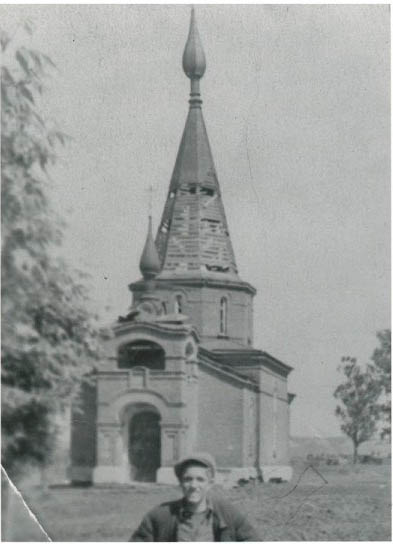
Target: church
181, 373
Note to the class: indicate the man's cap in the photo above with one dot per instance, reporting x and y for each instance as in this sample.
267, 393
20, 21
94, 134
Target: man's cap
199, 457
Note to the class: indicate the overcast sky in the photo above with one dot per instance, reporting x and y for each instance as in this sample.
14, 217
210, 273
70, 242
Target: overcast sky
296, 103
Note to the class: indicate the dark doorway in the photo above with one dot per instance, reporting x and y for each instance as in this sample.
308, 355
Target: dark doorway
144, 447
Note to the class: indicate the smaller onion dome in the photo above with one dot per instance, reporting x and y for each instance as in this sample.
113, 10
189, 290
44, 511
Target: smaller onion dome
150, 264
194, 62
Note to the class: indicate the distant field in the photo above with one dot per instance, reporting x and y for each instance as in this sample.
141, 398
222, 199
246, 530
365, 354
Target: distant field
355, 504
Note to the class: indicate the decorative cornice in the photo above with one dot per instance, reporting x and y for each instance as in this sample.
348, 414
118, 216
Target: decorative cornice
175, 282
248, 357
227, 371
156, 327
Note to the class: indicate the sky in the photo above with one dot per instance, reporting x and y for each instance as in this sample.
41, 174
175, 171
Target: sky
297, 109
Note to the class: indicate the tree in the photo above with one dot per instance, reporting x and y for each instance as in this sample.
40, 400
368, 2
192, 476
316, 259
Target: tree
49, 339
358, 395
383, 369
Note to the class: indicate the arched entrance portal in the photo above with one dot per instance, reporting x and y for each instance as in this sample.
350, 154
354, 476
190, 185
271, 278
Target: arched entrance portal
144, 445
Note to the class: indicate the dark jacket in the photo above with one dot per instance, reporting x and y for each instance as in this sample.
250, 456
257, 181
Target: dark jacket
160, 524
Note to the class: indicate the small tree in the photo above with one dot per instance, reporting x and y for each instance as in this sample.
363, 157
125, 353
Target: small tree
49, 338
383, 369
358, 396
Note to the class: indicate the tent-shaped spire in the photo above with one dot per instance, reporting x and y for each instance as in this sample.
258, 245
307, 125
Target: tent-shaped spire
193, 238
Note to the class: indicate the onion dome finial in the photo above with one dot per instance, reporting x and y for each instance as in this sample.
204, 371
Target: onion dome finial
194, 62
150, 264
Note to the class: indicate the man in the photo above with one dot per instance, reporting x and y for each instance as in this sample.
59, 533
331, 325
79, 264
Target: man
198, 516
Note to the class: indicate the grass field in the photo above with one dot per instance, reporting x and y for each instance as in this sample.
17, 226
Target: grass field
354, 504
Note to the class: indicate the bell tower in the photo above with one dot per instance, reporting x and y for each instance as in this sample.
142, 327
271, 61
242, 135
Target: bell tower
198, 275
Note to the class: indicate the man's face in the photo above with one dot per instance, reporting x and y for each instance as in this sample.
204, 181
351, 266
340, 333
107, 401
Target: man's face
195, 483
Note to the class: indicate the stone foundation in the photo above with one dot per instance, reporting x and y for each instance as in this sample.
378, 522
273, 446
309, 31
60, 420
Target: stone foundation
166, 475
111, 474
279, 472
229, 477
80, 474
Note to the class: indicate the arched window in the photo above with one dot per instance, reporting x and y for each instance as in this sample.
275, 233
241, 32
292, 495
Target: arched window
223, 315
142, 353
178, 304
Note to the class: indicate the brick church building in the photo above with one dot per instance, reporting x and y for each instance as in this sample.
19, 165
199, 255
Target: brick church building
181, 373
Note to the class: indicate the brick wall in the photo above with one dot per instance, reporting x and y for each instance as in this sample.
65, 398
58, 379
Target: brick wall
273, 413
250, 427
220, 416
202, 306
283, 433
